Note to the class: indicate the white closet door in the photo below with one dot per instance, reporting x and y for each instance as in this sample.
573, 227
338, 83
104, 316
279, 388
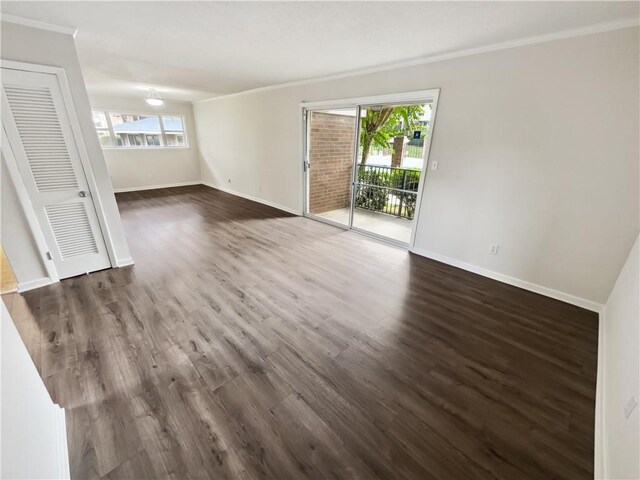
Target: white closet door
36, 120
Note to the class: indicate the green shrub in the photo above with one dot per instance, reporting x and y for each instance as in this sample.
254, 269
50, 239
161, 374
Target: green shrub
370, 196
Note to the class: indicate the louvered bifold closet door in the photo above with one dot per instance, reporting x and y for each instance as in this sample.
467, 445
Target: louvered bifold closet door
36, 120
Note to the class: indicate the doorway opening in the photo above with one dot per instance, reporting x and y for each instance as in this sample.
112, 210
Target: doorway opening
365, 164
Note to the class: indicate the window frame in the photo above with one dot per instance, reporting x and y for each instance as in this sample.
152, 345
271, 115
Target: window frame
106, 129
114, 142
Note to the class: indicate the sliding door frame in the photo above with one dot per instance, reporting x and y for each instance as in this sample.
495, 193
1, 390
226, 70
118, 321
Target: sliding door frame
306, 165
354, 167
407, 98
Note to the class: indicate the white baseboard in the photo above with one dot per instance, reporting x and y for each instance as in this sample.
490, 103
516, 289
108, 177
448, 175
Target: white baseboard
532, 287
548, 292
31, 284
124, 262
210, 185
254, 199
62, 449
155, 187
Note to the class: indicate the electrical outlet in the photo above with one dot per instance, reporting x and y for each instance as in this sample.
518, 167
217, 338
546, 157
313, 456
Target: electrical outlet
630, 407
434, 165
229, 180
493, 249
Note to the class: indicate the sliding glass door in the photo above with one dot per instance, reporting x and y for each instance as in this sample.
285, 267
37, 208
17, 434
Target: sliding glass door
365, 165
329, 164
389, 167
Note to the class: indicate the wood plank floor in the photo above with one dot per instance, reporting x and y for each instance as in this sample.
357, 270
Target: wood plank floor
248, 343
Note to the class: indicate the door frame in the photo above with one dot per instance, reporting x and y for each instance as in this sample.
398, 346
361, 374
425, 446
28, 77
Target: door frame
413, 97
78, 138
305, 167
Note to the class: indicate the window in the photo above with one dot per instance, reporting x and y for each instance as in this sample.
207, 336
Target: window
102, 127
133, 130
173, 130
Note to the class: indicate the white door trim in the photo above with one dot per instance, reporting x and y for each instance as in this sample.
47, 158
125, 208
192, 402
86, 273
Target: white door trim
79, 140
415, 96
425, 167
419, 96
29, 212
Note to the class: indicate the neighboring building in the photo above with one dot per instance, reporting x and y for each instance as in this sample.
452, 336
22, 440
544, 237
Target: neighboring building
137, 130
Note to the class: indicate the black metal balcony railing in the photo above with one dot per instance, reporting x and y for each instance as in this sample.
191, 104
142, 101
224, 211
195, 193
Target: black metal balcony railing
388, 190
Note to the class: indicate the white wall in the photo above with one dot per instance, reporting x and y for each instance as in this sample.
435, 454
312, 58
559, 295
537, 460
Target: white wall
537, 147
15, 234
138, 169
617, 437
42, 47
34, 443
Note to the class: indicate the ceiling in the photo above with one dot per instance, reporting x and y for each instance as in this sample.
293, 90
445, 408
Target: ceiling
195, 50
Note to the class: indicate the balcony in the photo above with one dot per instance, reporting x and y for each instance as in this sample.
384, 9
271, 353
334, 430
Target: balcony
396, 228
385, 200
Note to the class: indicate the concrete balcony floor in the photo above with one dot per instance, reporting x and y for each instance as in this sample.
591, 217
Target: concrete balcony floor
380, 223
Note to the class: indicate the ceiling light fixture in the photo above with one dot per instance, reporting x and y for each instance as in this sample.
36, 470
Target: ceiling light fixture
154, 98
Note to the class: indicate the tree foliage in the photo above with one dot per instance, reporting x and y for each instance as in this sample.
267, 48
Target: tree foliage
381, 124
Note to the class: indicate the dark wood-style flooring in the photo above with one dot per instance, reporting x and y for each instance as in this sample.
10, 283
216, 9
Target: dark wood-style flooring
249, 343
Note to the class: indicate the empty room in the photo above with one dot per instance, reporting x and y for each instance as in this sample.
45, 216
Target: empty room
320, 240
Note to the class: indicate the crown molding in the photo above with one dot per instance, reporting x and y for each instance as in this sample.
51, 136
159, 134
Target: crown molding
27, 22
576, 32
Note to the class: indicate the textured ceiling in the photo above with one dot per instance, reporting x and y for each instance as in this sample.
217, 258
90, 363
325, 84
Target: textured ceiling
193, 50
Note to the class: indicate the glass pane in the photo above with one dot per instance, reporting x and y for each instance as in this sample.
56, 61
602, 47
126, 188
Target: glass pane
153, 140
133, 130
174, 130
390, 158
172, 123
100, 120
105, 138
130, 139
330, 144
175, 139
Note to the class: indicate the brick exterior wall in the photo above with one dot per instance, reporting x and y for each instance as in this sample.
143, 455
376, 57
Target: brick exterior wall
398, 151
331, 140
